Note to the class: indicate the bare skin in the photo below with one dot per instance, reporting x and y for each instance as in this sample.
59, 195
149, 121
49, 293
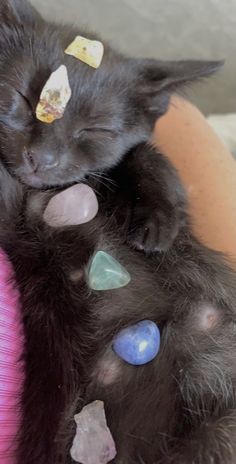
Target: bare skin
207, 170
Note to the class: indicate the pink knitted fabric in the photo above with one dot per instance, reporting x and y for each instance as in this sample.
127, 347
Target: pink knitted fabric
11, 367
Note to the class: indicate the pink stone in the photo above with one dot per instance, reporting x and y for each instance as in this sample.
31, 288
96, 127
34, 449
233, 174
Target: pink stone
93, 442
76, 205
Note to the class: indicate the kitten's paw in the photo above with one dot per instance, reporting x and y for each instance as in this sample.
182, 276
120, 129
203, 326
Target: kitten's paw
153, 230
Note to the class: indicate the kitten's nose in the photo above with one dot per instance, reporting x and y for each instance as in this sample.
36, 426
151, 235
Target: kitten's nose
39, 160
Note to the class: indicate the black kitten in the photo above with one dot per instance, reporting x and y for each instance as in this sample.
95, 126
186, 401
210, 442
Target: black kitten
181, 407
112, 111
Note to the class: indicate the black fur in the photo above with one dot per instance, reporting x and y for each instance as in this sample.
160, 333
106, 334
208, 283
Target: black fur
181, 407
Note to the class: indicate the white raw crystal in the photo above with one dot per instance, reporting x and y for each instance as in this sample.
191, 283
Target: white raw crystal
54, 97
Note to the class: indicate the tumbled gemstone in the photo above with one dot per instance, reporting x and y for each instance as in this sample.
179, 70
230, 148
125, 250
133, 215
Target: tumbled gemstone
75, 205
105, 273
138, 344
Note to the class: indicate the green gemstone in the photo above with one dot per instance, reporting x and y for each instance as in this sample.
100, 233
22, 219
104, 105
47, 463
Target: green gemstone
106, 273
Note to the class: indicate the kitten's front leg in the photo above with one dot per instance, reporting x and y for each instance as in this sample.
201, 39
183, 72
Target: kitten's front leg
153, 198
52, 315
52, 382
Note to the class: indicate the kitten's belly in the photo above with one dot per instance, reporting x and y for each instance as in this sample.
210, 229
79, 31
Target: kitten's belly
141, 403
135, 396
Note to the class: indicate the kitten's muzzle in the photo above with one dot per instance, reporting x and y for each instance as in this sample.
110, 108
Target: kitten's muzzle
39, 161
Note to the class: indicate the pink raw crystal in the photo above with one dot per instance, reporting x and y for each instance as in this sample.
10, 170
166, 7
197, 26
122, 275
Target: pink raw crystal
93, 442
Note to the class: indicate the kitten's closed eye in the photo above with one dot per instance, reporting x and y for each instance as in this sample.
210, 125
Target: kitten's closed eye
93, 131
15, 108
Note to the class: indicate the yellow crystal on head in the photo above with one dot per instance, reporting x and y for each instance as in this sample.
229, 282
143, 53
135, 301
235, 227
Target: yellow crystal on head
89, 51
54, 97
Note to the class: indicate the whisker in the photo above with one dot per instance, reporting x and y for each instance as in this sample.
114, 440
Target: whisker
92, 187
101, 182
102, 176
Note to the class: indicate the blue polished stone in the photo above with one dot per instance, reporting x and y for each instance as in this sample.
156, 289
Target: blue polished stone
138, 344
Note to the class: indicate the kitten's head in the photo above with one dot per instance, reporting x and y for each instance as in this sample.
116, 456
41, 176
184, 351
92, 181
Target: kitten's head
111, 110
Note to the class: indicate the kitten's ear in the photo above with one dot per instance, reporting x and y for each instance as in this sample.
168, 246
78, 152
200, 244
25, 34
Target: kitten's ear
156, 76
17, 12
